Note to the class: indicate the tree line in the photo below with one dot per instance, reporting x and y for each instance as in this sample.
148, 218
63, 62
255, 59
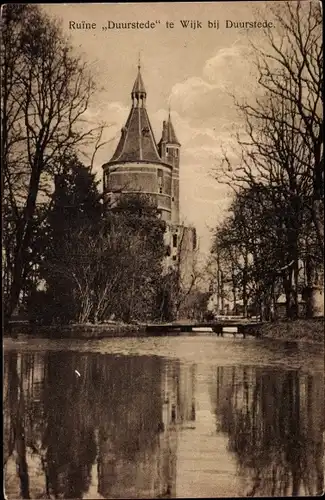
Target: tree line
67, 256
46, 89
272, 241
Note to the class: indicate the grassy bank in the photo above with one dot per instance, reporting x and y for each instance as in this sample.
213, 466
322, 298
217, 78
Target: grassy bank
78, 331
304, 330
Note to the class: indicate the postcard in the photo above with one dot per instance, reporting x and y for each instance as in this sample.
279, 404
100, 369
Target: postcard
163, 249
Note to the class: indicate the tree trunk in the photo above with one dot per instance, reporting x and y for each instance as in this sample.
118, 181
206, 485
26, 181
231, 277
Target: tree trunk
287, 285
295, 288
272, 302
23, 237
318, 191
319, 225
222, 293
245, 286
218, 285
233, 288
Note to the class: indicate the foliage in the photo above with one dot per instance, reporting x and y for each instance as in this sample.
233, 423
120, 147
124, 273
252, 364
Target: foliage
75, 208
99, 264
46, 89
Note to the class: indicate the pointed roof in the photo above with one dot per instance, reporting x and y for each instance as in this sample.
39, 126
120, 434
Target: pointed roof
138, 87
137, 142
170, 132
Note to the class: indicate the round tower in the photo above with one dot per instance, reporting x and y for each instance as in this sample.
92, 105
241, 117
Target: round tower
169, 149
136, 166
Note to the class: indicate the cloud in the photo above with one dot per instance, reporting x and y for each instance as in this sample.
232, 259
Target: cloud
113, 115
220, 68
186, 132
209, 94
204, 117
183, 94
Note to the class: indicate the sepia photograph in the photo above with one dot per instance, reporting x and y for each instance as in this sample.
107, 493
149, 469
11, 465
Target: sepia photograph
162, 172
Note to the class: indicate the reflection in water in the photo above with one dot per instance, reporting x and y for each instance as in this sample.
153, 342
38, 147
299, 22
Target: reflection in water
274, 420
108, 433
114, 430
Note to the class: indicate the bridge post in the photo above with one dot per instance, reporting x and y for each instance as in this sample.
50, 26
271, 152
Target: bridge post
242, 329
218, 330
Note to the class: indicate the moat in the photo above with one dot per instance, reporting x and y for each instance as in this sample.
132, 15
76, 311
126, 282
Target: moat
162, 417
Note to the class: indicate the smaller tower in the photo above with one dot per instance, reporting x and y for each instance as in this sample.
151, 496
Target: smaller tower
169, 150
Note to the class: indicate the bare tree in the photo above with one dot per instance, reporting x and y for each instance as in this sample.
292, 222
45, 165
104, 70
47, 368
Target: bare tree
106, 266
250, 248
292, 72
281, 149
95, 267
46, 89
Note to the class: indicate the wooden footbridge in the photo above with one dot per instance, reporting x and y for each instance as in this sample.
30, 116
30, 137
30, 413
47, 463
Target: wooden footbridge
243, 326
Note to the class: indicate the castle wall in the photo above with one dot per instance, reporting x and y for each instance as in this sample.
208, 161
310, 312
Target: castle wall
170, 154
153, 179
175, 198
182, 244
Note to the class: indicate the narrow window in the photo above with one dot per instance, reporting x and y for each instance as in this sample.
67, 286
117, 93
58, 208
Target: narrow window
160, 174
194, 239
175, 240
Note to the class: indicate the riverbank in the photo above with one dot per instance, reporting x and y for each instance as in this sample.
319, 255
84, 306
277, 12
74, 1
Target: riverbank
88, 331
300, 330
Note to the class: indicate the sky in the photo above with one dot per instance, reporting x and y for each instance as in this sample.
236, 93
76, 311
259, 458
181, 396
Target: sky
192, 71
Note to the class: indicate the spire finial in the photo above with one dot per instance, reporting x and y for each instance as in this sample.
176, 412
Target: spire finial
139, 93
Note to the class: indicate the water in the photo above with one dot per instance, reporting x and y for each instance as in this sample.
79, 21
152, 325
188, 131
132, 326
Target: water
194, 416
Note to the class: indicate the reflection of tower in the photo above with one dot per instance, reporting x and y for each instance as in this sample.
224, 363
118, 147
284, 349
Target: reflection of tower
178, 391
187, 393
179, 394
137, 446
168, 438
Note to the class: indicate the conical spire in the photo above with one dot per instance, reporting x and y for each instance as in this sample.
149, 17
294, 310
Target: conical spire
137, 142
169, 132
139, 93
